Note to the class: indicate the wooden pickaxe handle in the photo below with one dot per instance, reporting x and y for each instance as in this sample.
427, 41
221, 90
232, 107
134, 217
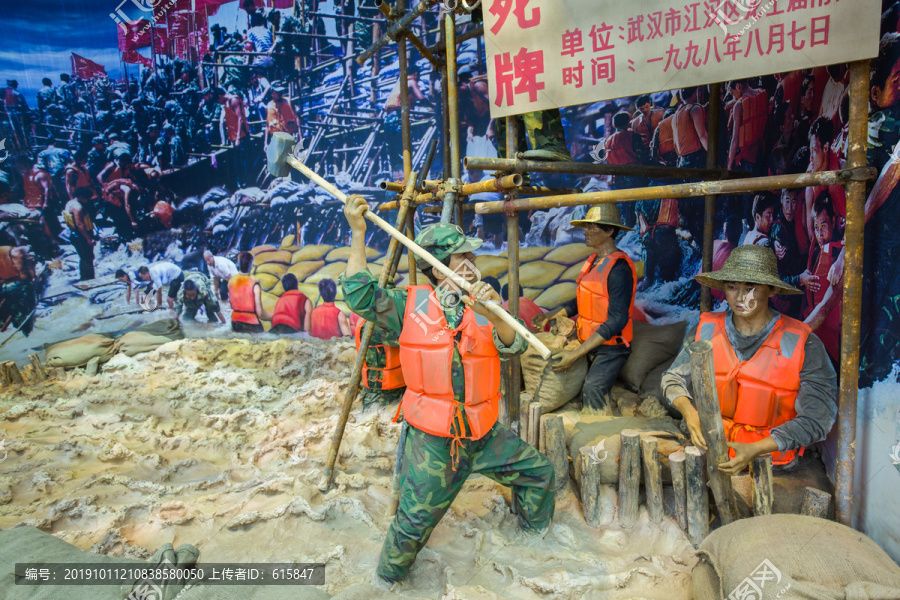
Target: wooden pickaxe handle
425, 255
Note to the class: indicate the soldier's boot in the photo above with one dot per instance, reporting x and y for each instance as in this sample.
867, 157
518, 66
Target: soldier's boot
546, 136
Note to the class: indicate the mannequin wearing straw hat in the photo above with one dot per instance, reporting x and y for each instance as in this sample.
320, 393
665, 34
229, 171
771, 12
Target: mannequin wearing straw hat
777, 387
604, 302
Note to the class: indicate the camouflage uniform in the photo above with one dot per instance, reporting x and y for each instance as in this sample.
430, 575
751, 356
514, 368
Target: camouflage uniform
431, 479
205, 297
376, 358
544, 130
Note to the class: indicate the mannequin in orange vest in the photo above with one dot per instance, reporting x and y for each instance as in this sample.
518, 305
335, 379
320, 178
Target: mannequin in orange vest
450, 352
777, 387
604, 303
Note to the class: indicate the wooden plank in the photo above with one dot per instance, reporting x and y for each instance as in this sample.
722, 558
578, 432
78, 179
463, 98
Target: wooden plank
590, 490
629, 477
652, 478
763, 492
816, 503
14, 376
555, 449
676, 465
706, 399
534, 424
697, 499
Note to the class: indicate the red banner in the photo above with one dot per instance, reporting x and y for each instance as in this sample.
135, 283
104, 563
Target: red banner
136, 36
161, 41
85, 68
132, 57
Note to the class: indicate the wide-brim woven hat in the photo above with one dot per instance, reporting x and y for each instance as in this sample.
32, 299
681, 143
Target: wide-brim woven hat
748, 264
602, 214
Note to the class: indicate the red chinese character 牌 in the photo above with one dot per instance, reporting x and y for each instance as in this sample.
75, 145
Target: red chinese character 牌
571, 42
503, 70
601, 36
528, 65
501, 9
574, 75
603, 68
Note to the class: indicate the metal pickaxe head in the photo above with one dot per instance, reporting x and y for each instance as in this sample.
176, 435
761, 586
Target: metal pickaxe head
280, 147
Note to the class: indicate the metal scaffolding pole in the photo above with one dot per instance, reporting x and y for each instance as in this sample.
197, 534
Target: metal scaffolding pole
709, 208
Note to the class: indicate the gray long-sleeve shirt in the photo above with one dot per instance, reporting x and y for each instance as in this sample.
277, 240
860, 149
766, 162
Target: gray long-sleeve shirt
816, 402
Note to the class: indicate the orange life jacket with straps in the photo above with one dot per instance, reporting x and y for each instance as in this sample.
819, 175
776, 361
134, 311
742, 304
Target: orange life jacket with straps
426, 354
388, 378
755, 111
644, 127
758, 394
666, 136
323, 321
290, 310
619, 149
592, 296
686, 139
243, 303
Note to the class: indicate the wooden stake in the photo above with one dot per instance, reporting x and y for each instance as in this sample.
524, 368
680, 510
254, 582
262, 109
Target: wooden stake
815, 503
697, 499
706, 399
4, 375
534, 424
652, 478
763, 492
555, 449
629, 477
14, 376
590, 490
28, 375
676, 465
60, 373
39, 370
92, 367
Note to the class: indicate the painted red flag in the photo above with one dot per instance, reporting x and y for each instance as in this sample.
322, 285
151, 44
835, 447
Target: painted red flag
161, 40
135, 34
281, 3
85, 68
132, 57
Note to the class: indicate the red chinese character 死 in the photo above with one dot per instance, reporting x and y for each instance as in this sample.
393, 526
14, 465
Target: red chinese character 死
692, 19
776, 37
796, 5
501, 9
634, 29
672, 57
528, 65
673, 21
794, 34
753, 33
503, 70
654, 24
571, 42
603, 68
573, 75
822, 30
693, 56
601, 37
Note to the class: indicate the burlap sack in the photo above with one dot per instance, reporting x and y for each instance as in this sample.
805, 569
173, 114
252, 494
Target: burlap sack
546, 386
538, 274
570, 254
79, 351
136, 342
794, 556
600, 436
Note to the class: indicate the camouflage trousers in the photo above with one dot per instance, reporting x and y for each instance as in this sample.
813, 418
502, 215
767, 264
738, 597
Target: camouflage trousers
543, 130
429, 484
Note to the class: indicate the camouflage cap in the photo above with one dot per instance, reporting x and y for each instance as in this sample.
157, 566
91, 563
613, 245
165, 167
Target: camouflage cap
444, 239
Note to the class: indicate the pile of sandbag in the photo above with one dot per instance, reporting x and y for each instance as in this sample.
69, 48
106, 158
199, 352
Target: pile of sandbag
79, 351
149, 337
546, 386
793, 556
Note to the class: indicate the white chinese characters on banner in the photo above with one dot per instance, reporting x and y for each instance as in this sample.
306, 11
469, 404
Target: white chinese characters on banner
551, 53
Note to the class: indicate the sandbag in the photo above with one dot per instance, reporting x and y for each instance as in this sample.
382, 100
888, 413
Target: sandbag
343, 254
537, 274
803, 557
651, 346
274, 256
590, 431
311, 252
556, 295
570, 254
264, 248
572, 273
546, 386
305, 268
492, 266
170, 328
329, 271
79, 351
135, 342
527, 254
272, 268
267, 281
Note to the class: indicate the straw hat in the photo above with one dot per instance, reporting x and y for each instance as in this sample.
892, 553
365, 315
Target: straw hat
602, 214
750, 264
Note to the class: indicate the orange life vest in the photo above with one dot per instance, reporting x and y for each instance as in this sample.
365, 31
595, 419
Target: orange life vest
685, 134
755, 110
83, 179
243, 303
592, 296
323, 321
644, 128
619, 149
290, 310
232, 131
829, 331
758, 394
388, 378
666, 136
426, 354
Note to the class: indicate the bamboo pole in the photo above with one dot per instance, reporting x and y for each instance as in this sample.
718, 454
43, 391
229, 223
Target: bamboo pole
450, 198
502, 184
513, 164
590, 490
652, 478
706, 399
513, 370
555, 449
629, 477
697, 500
815, 503
763, 492
686, 190
851, 314
709, 203
676, 465
395, 30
